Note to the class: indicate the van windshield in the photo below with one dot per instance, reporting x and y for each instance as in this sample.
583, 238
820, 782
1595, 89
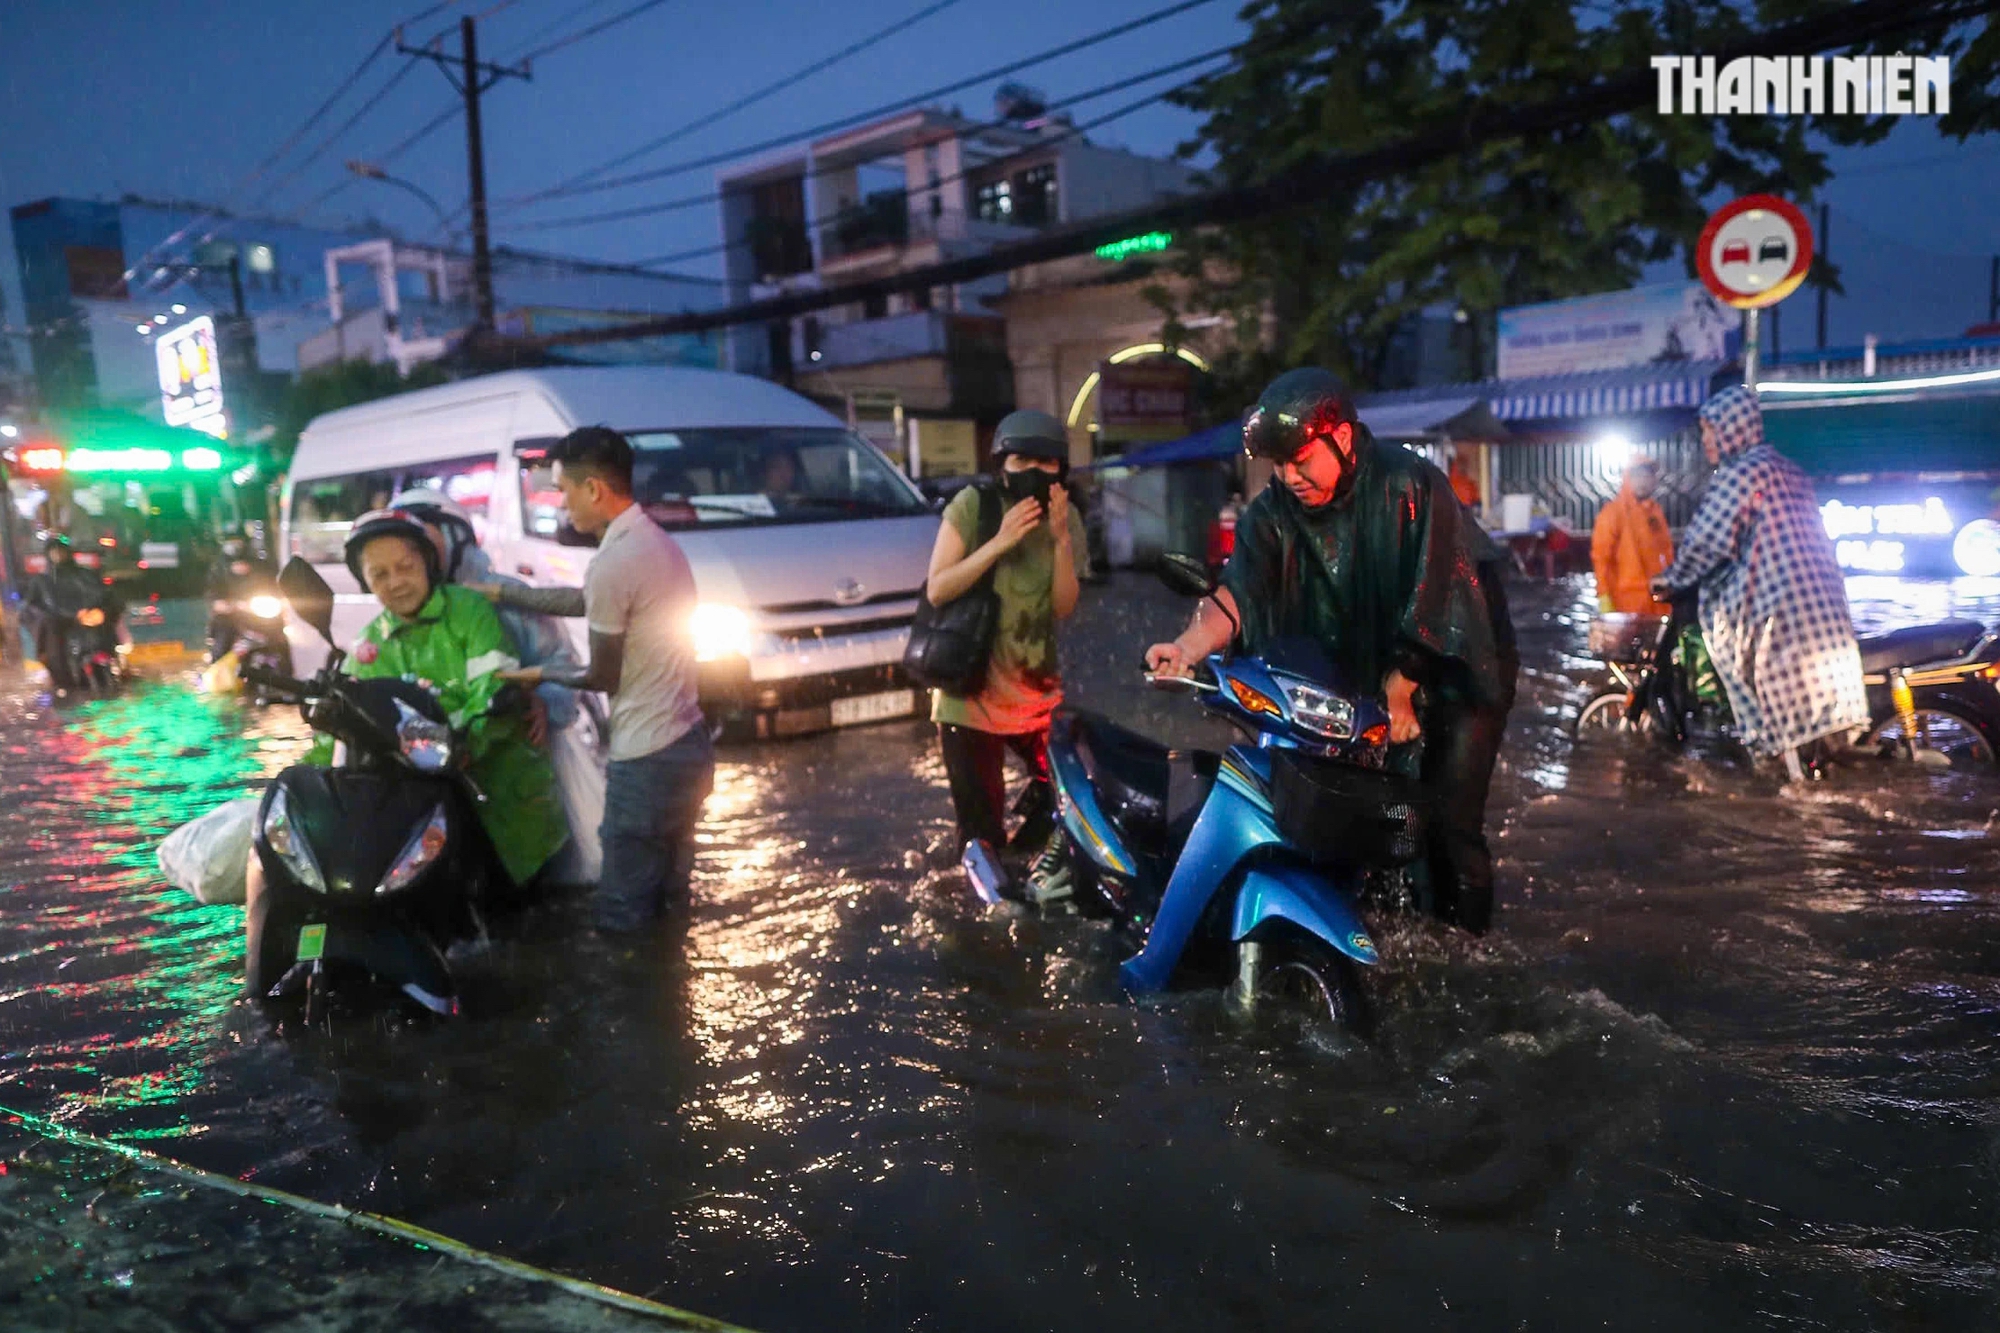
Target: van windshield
743, 476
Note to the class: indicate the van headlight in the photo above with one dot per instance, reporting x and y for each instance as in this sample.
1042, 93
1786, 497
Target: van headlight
424, 847
290, 843
1318, 711
719, 631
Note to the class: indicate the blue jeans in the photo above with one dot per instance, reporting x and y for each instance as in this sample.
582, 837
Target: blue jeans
651, 805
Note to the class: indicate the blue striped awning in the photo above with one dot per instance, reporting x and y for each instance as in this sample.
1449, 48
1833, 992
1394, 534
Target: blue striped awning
1604, 393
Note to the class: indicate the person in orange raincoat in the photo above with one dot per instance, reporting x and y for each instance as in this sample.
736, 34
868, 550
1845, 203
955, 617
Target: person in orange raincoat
1630, 546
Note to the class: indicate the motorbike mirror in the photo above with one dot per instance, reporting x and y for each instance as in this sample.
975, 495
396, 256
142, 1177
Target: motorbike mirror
309, 595
1185, 575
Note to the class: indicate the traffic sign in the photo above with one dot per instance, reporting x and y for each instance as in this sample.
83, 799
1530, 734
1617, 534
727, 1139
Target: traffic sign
1754, 252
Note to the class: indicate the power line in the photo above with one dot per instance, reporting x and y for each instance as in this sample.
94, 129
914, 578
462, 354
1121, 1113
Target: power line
748, 99
715, 196
876, 113
1479, 122
592, 30
563, 22
1071, 132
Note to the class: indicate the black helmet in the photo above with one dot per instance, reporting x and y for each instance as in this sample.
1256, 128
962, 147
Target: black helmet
392, 523
1297, 408
57, 542
1032, 434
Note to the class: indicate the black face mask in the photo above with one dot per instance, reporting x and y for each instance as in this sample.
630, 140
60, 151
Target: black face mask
1029, 483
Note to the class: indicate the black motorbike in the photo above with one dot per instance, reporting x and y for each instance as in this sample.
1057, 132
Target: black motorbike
1933, 690
251, 624
372, 868
90, 660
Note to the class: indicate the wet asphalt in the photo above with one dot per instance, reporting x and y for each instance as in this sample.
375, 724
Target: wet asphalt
1727, 1060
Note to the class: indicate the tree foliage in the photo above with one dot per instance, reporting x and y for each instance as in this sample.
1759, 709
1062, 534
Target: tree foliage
1566, 213
342, 384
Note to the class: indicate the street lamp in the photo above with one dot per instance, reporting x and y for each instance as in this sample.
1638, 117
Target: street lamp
370, 171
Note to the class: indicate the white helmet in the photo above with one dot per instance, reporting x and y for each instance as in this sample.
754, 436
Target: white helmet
447, 516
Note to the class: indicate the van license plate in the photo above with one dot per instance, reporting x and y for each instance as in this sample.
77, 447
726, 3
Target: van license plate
873, 707
312, 943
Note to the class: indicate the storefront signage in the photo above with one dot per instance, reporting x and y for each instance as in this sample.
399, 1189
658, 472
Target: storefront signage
1673, 321
1143, 399
191, 377
1151, 243
1908, 537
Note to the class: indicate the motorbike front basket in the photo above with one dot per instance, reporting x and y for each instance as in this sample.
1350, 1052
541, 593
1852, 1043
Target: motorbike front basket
1338, 814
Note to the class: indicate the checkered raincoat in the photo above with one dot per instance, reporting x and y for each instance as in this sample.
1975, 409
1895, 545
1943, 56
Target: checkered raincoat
1773, 602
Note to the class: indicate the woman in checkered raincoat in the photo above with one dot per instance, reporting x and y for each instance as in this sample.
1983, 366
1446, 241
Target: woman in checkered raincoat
1773, 602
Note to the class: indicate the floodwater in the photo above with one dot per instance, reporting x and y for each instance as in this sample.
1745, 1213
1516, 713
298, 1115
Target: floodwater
1728, 1060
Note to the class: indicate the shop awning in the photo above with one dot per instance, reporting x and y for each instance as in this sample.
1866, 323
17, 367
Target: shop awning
1604, 393
1461, 416
1215, 442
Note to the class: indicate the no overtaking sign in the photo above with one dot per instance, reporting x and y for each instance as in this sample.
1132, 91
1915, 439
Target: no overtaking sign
1754, 252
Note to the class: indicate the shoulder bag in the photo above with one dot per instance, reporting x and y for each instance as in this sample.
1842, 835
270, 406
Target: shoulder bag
950, 644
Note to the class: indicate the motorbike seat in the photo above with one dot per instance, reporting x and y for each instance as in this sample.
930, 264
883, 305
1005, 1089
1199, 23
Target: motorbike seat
1918, 644
1148, 791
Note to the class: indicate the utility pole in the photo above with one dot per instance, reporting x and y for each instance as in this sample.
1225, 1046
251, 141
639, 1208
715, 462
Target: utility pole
1825, 218
471, 79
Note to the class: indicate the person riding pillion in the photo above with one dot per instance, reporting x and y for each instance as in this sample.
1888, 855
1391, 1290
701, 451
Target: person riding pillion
540, 639
1365, 550
1036, 556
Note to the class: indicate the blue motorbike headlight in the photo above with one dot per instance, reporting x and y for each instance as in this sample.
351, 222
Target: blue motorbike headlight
1317, 710
290, 844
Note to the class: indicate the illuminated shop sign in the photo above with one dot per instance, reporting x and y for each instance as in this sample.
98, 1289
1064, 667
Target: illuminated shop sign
1920, 537
191, 377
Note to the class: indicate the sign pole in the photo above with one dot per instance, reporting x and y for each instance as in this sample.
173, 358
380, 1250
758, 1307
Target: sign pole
1750, 323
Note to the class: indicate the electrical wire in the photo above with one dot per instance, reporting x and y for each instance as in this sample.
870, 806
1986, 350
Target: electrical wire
716, 196
748, 99
593, 30
875, 113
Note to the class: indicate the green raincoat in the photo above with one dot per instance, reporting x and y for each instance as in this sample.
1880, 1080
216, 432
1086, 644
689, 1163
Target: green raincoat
455, 645
1385, 575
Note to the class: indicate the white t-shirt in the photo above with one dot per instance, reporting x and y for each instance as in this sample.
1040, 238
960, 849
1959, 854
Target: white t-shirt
639, 586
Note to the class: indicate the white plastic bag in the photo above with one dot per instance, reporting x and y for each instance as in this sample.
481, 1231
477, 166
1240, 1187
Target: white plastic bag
208, 856
579, 765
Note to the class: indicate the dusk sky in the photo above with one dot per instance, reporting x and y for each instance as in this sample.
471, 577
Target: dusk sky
184, 98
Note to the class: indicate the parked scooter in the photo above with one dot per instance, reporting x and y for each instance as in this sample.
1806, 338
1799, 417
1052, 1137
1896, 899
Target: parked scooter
1933, 690
1248, 862
367, 867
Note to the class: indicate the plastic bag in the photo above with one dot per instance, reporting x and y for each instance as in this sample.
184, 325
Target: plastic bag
223, 676
209, 856
579, 764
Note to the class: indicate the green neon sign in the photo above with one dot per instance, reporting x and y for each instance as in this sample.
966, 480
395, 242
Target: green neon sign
119, 460
1150, 243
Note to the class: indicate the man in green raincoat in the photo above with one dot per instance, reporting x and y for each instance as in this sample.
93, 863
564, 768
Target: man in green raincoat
1364, 550
451, 639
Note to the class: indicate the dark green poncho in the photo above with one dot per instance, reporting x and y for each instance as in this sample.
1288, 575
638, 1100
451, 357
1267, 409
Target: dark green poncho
1386, 575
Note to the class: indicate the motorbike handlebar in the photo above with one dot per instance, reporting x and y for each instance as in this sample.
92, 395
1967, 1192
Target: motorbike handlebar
271, 680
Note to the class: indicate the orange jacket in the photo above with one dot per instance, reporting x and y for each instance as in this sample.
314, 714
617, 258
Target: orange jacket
1629, 548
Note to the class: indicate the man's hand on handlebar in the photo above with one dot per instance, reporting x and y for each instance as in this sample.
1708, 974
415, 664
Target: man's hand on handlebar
1169, 659
1403, 724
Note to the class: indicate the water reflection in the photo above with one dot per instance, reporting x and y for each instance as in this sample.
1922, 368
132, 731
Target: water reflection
1727, 1060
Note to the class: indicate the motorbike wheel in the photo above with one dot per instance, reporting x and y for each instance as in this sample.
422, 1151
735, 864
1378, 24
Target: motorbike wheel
1958, 732
1604, 715
1308, 980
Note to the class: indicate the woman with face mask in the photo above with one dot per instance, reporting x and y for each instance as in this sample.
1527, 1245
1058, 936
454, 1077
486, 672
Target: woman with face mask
1035, 558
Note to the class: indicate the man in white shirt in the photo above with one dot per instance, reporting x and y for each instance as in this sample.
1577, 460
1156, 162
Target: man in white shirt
639, 596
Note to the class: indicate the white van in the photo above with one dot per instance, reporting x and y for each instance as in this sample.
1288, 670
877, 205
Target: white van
809, 550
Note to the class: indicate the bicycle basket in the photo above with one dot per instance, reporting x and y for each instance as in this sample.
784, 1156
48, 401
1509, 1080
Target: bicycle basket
1620, 636
1336, 813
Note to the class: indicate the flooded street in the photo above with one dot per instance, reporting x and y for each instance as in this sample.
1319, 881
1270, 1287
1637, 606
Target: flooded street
1728, 1060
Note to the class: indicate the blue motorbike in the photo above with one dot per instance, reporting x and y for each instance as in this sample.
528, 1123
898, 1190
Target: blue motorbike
1245, 867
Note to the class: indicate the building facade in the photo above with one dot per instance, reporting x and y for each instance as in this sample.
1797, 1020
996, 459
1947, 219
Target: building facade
904, 193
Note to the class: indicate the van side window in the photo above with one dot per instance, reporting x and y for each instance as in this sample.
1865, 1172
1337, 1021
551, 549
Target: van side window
469, 481
324, 509
541, 502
